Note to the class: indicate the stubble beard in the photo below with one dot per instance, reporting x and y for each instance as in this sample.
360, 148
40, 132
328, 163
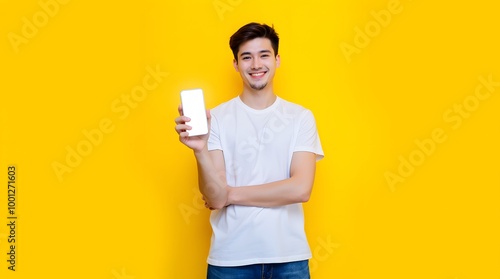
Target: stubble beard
258, 87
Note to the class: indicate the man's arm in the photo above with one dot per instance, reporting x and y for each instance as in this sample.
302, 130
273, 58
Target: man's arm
212, 177
211, 169
296, 189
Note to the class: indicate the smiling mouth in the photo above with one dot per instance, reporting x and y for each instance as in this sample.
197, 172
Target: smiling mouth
256, 75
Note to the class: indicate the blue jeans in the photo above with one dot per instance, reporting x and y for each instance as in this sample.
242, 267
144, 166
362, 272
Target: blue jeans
291, 270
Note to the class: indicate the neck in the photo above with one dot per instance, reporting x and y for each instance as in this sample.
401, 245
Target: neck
258, 99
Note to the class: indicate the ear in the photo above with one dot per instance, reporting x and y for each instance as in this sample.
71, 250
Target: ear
235, 65
278, 61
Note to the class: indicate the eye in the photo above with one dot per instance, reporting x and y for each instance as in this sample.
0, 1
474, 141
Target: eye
245, 57
264, 55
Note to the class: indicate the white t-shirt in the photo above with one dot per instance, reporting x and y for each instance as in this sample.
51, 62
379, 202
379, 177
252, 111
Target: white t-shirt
258, 146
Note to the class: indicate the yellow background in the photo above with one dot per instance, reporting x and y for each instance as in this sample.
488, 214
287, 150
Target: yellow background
129, 208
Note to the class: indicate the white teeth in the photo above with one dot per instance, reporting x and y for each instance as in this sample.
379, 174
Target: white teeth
257, 74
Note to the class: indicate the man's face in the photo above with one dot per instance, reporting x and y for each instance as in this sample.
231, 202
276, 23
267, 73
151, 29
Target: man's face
256, 63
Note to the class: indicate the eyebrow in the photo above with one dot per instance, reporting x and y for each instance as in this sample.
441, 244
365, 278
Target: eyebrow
249, 53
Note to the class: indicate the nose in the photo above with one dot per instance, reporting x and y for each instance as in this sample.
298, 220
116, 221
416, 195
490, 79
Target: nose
256, 63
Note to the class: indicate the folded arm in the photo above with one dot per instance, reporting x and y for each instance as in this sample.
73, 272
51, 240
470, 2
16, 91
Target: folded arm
296, 189
212, 177
211, 169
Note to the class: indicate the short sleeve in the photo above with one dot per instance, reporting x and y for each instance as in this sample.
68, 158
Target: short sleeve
214, 137
307, 135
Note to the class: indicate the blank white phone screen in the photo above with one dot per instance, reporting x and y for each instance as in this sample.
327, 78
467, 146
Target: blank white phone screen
193, 106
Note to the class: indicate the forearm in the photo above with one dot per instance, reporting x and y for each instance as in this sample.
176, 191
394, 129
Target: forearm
278, 193
212, 184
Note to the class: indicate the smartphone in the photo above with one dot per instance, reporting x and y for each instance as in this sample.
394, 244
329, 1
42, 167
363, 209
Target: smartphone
193, 106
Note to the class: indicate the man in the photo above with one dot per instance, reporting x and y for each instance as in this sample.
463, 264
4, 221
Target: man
256, 167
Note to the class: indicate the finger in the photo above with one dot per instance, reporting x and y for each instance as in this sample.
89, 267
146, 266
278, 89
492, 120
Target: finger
209, 119
183, 136
179, 108
182, 119
182, 128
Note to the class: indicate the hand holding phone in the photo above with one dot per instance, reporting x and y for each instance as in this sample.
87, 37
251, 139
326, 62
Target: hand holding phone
193, 106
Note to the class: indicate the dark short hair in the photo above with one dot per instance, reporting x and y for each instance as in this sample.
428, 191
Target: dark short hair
252, 31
